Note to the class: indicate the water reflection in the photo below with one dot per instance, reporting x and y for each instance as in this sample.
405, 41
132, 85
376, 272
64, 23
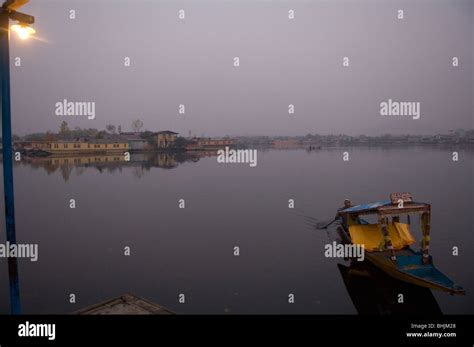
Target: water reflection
83, 248
140, 162
374, 293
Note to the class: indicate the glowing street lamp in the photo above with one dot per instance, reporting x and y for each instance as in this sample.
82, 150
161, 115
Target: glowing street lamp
8, 12
23, 30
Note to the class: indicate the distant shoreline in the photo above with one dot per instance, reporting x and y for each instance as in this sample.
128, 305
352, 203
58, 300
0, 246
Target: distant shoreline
180, 151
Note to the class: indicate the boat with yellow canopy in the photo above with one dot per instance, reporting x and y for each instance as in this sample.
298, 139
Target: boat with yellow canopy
387, 242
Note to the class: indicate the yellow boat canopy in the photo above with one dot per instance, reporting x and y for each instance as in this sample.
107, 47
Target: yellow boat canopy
370, 236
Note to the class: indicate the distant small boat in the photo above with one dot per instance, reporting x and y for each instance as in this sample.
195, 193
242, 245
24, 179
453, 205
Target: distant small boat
387, 243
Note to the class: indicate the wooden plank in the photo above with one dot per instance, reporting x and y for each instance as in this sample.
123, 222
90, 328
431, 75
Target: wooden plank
408, 208
127, 304
392, 209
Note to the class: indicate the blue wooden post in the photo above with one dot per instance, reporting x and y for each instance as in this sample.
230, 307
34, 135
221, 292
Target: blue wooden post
8, 159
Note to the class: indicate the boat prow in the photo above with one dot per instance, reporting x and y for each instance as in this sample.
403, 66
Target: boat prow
409, 268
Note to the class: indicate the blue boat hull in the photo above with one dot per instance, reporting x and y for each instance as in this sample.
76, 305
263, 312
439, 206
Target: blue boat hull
409, 268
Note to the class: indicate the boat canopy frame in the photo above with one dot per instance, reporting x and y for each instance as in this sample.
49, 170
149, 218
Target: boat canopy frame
387, 208
394, 208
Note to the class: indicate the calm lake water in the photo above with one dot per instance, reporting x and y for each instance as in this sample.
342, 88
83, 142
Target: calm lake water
190, 250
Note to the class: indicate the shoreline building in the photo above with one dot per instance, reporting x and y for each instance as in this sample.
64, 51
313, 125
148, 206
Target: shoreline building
71, 146
135, 141
166, 139
201, 144
287, 144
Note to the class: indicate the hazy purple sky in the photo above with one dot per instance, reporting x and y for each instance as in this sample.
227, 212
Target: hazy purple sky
282, 62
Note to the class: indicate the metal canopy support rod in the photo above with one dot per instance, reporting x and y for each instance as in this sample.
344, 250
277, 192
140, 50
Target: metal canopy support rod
8, 159
387, 240
425, 243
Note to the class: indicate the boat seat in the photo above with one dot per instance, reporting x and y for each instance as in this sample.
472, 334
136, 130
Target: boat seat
371, 237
